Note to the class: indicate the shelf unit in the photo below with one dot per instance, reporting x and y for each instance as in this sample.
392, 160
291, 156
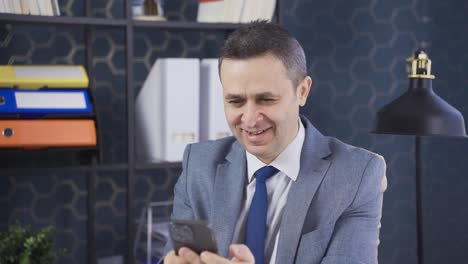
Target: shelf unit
131, 166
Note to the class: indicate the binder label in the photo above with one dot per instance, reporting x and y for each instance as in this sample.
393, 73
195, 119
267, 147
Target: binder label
59, 100
49, 72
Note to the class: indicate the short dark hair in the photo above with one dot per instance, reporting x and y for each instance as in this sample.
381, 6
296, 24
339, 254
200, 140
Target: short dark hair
261, 37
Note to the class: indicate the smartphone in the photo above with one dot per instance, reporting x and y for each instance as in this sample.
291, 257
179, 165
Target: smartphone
193, 234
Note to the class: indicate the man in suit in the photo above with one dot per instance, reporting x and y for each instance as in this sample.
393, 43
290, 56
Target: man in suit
278, 191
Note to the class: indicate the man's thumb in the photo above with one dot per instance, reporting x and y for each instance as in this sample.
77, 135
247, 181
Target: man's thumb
241, 253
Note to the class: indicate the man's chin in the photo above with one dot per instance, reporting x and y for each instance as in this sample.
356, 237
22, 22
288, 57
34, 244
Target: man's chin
257, 151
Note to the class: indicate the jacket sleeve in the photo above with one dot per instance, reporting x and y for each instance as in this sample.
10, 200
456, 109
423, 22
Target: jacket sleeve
182, 208
355, 238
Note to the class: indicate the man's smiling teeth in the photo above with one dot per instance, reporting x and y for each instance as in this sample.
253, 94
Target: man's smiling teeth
255, 132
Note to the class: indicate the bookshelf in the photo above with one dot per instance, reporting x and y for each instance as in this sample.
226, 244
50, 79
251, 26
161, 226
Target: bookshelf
127, 31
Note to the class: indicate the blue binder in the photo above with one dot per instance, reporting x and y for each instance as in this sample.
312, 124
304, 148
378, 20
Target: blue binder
43, 102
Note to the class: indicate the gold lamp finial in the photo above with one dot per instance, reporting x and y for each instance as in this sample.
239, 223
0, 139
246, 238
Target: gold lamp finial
420, 65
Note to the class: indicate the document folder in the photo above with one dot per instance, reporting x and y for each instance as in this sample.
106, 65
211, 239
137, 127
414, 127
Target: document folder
38, 76
47, 133
167, 110
213, 124
47, 101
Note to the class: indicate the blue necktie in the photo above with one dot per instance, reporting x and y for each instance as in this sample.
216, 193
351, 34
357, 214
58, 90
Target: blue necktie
256, 219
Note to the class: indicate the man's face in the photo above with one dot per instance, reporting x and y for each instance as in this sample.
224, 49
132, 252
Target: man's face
261, 104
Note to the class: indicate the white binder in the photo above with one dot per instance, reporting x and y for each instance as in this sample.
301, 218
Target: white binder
167, 110
213, 124
233, 10
254, 9
210, 11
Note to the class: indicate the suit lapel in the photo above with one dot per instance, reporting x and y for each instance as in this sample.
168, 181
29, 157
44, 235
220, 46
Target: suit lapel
228, 195
313, 168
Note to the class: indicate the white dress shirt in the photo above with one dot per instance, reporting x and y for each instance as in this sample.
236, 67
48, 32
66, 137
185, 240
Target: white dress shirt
288, 163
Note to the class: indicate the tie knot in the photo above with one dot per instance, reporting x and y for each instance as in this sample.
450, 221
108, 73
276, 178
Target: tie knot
264, 173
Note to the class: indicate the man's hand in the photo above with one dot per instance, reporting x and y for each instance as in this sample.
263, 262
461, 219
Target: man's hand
241, 254
185, 256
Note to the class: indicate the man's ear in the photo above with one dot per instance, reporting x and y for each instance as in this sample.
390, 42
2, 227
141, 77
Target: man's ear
302, 91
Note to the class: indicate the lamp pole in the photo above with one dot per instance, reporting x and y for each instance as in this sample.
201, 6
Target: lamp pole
419, 207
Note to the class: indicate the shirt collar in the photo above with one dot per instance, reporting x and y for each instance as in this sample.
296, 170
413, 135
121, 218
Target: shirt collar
288, 161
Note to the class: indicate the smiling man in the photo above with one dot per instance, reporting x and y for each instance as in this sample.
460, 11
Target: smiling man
278, 191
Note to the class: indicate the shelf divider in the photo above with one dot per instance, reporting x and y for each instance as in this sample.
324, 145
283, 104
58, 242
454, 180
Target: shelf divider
78, 168
62, 20
114, 22
130, 132
184, 25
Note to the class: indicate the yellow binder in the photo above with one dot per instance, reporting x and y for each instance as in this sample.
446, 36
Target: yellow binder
39, 76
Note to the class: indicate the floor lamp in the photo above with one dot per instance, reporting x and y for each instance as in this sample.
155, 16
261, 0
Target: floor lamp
420, 112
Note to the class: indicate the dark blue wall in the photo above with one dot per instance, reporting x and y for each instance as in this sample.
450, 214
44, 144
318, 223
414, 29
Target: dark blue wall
356, 52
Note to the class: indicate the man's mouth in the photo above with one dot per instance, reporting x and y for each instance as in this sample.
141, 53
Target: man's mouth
256, 132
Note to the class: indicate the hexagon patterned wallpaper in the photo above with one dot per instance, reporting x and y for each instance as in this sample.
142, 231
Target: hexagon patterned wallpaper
57, 199
356, 52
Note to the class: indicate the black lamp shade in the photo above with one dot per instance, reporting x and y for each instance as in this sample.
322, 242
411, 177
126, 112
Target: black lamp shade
420, 112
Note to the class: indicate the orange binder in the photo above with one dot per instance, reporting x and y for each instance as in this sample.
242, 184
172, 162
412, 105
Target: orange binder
47, 133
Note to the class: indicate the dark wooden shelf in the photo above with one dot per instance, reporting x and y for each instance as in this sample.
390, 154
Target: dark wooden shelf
79, 168
184, 25
62, 20
112, 22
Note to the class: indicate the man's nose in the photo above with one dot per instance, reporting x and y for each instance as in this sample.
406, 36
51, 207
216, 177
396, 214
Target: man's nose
250, 115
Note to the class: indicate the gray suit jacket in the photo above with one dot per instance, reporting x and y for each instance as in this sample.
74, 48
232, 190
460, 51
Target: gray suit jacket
333, 210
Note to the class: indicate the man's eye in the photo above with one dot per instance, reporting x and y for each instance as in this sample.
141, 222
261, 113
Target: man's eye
268, 100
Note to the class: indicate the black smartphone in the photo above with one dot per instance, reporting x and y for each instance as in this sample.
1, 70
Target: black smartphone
193, 234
